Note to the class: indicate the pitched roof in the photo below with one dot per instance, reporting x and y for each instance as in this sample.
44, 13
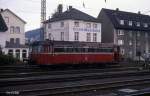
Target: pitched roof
116, 15
3, 26
14, 15
72, 14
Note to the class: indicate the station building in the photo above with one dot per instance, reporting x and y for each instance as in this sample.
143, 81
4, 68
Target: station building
72, 25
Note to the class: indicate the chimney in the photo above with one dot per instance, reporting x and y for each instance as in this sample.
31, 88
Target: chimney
60, 8
117, 9
70, 7
1, 10
139, 12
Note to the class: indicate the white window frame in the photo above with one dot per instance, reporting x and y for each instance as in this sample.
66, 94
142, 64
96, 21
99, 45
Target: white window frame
130, 23
88, 25
17, 30
94, 37
130, 42
121, 22
12, 29
122, 51
120, 32
76, 36
62, 36
145, 25
138, 24
120, 42
88, 38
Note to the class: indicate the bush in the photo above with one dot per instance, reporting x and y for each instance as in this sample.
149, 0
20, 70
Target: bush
7, 59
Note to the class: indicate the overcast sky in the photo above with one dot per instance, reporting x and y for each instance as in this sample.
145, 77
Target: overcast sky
29, 10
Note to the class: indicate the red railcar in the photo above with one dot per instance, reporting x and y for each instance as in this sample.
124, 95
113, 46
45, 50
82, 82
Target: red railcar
67, 52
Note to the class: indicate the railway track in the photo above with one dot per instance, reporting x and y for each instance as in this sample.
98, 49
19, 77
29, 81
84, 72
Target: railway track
65, 88
73, 83
35, 72
35, 81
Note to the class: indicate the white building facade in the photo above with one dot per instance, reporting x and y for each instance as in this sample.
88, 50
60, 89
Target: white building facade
73, 25
74, 30
12, 41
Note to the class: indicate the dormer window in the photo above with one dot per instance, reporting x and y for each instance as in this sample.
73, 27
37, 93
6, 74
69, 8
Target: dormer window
122, 22
138, 24
145, 25
130, 23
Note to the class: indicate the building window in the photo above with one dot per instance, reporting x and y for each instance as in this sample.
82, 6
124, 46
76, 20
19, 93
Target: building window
49, 25
138, 24
18, 40
88, 25
130, 33
49, 36
122, 51
6, 19
17, 30
130, 23
146, 35
61, 24
62, 36
120, 42
88, 37
145, 25
122, 22
12, 40
24, 54
138, 43
12, 30
130, 42
130, 53
76, 24
138, 34
94, 25
76, 36
94, 37
120, 32
18, 54
10, 52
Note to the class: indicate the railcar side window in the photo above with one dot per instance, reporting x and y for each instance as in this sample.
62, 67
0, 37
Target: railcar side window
91, 50
69, 49
76, 50
59, 50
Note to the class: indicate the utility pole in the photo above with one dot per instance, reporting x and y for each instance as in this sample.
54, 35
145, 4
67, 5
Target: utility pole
43, 18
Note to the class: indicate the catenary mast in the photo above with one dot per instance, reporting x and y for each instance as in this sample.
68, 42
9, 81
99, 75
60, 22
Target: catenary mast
43, 18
